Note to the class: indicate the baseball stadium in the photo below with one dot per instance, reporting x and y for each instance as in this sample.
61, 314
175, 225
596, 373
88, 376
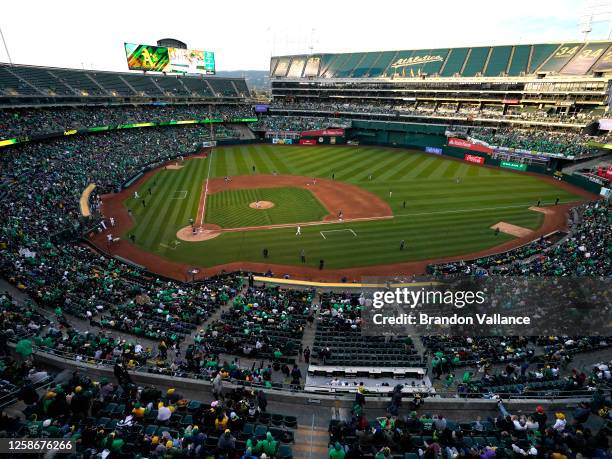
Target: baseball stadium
189, 268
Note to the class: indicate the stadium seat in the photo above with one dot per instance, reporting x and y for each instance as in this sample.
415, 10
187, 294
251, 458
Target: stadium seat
290, 422
285, 452
261, 431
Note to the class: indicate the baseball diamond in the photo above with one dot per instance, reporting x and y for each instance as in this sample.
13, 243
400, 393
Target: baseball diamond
440, 207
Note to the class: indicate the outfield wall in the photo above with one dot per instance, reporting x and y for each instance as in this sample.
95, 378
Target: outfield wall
433, 138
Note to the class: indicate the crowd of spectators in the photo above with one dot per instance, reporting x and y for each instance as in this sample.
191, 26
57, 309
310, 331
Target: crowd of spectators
262, 323
570, 144
67, 277
32, 121
108, 419
297, 123
444, 110
429, 435
41, 186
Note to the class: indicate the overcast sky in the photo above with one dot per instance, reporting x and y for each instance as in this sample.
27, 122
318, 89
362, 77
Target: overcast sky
244, 34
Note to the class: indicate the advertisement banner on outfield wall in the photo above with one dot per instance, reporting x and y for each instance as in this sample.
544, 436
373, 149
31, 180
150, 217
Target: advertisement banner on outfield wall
433, 150
324, 133
276, 141
308, 142
466, 144
513, 165
473, 159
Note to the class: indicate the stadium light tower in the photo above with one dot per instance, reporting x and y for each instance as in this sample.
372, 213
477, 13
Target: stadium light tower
8, 55
586, 28
595, 12
311, 47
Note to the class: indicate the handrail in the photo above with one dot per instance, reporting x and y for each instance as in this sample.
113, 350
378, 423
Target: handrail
320, 389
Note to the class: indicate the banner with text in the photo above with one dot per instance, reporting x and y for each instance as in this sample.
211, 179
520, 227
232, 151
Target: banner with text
513, 165
466, 144
324, 133
486, 306
473, 159
308, 142
433, 150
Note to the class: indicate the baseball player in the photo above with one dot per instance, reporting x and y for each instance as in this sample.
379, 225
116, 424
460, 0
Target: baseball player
299, 231
112, 221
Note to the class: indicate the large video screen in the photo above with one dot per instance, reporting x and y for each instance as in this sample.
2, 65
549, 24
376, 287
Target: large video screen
169, 60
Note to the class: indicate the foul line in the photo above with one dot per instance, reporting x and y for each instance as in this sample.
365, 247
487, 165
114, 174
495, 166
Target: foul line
305, 224
203, 198
552, 206
336, 230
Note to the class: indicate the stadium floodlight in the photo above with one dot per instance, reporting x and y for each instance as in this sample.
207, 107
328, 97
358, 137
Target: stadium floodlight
595, 12
8, 55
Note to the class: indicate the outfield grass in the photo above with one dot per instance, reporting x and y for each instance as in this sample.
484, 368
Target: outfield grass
441, 217
230, 208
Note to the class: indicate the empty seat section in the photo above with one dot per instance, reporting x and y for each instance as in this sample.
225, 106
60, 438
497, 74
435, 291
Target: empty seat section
79, 81
12, 85
197, 86
223, 87
143, 84
172, 86
113, 83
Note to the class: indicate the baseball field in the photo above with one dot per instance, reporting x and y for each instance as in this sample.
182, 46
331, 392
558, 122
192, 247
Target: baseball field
437, 206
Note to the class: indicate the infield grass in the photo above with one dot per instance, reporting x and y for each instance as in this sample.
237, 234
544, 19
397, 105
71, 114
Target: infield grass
440, 218
230, 208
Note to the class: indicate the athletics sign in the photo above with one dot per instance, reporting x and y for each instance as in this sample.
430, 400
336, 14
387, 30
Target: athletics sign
416, 60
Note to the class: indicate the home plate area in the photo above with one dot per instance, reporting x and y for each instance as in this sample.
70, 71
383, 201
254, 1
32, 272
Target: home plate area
330, 233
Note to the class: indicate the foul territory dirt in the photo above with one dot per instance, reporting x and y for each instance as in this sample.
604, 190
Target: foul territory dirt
555, 218
511, 229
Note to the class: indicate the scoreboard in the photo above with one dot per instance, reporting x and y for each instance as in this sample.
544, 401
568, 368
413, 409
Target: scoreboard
169, 60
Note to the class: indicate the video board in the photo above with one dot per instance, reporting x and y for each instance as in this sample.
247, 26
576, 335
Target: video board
169, 60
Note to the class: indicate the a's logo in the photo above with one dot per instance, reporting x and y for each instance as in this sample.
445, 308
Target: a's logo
416, 60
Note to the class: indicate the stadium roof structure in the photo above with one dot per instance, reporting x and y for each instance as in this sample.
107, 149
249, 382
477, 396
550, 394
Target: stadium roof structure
548, 59
23, 82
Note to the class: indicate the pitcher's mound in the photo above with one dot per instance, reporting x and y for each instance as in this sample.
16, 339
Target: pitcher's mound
203, 233
260, 205
511, 229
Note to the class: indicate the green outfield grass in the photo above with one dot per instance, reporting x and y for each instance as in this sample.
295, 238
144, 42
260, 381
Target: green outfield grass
441, 217
230, 208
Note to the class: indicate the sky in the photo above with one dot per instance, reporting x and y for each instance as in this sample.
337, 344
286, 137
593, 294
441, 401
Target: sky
244, 34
